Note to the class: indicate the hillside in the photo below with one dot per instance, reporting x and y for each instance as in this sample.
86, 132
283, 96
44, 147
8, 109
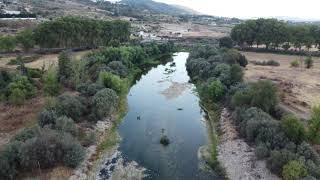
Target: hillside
157, 7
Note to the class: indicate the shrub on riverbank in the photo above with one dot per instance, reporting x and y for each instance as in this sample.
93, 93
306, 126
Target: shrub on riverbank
281, 142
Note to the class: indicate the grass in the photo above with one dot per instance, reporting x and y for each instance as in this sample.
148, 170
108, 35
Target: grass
213, 112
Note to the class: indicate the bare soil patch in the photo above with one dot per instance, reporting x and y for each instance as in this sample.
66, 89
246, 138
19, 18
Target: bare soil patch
14, 118
43, 61
299, 87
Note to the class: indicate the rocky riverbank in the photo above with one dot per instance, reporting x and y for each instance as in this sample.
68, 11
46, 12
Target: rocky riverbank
236, 156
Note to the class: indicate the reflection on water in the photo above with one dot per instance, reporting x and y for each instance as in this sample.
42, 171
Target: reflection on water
164, 100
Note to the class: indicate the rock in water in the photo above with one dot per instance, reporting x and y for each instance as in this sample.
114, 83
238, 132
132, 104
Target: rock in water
165, 140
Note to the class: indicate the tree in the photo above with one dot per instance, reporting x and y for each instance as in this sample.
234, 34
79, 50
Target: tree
51, 83
26, 39
7, 43
226, 42
215, 90
65, 67
104, 103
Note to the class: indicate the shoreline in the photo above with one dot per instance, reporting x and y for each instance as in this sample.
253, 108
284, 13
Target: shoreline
236, 156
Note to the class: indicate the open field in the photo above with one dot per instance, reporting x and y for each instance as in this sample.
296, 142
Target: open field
13, 118
44, 61
194, 30
299, 87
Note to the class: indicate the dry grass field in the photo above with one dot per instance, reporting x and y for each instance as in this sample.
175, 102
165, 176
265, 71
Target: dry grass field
44, 61
299, 87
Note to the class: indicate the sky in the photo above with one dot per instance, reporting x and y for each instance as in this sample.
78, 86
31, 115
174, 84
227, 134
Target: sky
305, 10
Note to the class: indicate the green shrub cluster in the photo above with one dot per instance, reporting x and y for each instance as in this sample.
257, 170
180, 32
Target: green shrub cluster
44, 149
261, 94
16, 88
282, 142
266, 63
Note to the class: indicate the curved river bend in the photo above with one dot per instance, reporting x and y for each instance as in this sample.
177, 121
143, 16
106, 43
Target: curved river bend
163, 102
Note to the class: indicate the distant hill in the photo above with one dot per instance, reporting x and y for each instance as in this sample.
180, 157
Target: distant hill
157, 7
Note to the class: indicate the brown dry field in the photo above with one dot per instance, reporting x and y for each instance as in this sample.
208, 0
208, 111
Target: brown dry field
45, 60
195, 30
14, 118
299, 87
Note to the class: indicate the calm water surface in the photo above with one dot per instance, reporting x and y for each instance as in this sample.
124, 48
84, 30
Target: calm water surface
164, 102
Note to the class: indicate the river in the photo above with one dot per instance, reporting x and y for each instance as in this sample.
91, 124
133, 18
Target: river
163, 102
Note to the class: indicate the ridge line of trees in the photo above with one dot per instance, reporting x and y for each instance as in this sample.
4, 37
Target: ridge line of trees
274, 34
69, 32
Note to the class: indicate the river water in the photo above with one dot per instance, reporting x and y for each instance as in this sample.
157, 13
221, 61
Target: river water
163, 102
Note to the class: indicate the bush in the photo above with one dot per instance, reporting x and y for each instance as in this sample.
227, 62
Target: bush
9, 160
41, 151
278, 159
104, 103
117, 68
307, 151
262, 151
313, 169
7, 43
66, 124
295, 63
215, 90
51, 83
20, 89
225, 42
34, 73
112, 82
73, 152
261, 94
70, 106
47, 118
17, 97
49, 149
89, 89
294, 170
26, 134
294, 129
314, 125
308, 62
266, 63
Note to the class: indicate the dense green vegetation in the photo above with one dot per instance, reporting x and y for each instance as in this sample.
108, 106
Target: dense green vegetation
98, 84
282, 140
274, 34
69, 32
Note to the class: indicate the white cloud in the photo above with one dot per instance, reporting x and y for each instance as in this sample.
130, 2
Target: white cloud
307, 9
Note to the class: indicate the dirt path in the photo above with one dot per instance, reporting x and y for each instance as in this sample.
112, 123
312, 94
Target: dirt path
237, 156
